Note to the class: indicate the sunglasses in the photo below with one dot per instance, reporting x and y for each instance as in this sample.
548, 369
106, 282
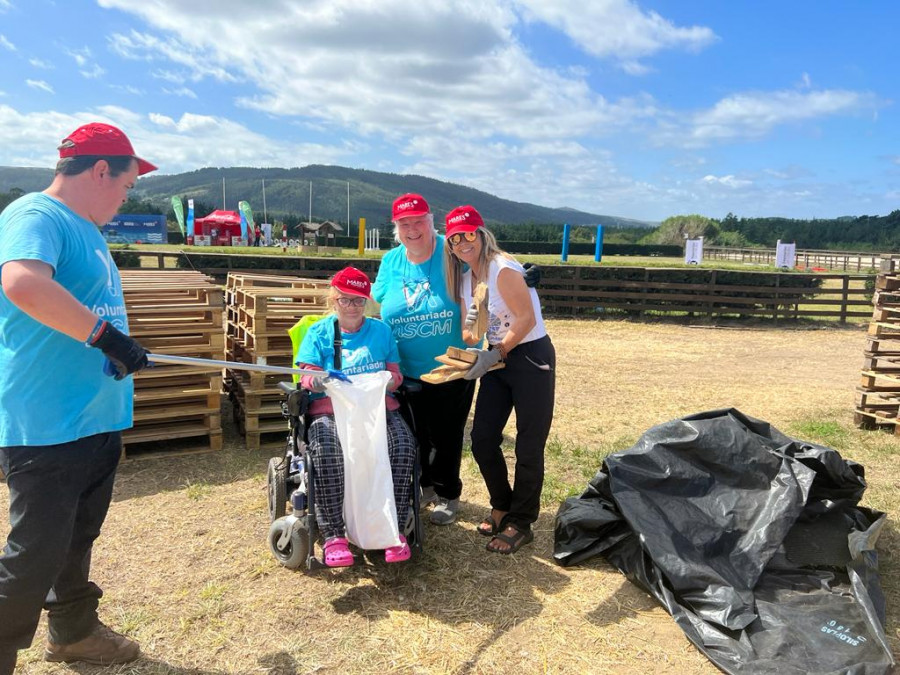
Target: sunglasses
351, 302
458, 237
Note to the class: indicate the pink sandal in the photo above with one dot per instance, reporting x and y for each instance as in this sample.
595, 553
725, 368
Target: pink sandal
337, 554
396, 554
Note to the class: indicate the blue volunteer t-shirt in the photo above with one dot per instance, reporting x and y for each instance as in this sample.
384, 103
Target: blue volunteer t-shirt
415, 304
52, 388
368, 350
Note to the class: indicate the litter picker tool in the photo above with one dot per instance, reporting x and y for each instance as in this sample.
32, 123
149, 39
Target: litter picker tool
213, 364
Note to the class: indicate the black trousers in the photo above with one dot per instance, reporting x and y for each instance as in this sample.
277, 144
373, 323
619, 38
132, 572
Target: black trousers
527, 385
441, 412
58, 499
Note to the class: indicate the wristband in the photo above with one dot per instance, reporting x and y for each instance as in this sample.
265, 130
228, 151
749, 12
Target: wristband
95, 332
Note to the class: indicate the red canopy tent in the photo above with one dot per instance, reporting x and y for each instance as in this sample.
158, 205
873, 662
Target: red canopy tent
227, 224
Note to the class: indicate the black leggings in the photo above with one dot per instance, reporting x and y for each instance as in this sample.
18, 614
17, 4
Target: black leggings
527, 385
441, 412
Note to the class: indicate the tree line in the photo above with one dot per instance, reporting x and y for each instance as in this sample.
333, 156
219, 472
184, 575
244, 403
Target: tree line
863, 233
855, 233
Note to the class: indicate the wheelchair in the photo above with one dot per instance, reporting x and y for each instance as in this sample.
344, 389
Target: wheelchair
293, 532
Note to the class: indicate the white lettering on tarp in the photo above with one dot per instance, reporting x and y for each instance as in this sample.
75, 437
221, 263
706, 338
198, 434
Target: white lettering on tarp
840, 632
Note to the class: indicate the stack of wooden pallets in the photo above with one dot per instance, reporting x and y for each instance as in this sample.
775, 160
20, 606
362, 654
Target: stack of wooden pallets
176, 313
261, 310
878, 396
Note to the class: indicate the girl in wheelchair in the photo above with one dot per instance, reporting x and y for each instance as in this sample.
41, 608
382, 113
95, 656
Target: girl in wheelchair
362, 345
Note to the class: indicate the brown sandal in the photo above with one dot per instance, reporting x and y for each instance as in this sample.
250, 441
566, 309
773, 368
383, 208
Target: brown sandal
487, 527
514, 541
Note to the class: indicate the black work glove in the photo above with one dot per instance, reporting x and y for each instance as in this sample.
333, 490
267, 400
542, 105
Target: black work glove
532, 275
124, 354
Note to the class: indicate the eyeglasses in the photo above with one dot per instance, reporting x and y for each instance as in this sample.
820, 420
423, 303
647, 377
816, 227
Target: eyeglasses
458, 237
351, 302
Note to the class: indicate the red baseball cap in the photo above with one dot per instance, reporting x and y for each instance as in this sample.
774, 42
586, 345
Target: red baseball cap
463, 219
408, 205
98, 138
352, 282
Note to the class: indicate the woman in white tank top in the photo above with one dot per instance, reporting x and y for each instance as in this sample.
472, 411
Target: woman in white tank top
517, 337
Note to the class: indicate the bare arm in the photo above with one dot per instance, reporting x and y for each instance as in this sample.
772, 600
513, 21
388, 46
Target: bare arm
30, 286
515, 294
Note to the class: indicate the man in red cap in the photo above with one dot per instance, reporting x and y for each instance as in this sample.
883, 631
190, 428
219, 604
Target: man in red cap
61, 303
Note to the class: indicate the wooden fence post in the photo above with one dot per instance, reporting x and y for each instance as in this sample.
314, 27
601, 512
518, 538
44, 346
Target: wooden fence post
845, 288
777, 296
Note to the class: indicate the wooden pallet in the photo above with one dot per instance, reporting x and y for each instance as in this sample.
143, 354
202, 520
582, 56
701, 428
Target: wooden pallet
177, 407
866, 419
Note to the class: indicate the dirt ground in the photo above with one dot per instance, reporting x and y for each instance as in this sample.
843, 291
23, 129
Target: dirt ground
185, 567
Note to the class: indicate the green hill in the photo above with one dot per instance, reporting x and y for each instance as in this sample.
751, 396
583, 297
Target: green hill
287, 192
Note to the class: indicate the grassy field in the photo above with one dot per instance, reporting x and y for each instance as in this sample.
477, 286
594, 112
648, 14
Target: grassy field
185, 567
541, 259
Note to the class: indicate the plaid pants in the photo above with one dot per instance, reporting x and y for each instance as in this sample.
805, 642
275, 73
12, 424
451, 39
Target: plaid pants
325, 449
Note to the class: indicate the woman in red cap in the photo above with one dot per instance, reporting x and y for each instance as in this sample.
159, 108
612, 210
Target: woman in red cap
516, 335
426, 321
366, 346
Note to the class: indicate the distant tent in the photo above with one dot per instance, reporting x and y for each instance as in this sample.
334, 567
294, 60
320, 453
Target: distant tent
227, 224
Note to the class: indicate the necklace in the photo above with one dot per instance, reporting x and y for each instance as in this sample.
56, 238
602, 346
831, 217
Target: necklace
418, 266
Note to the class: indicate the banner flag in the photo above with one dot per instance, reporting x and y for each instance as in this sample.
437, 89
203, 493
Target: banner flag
246, 218
178, 207
190, 217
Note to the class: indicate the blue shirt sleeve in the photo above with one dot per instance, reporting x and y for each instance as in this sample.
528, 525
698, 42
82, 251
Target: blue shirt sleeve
28, 234
312, 349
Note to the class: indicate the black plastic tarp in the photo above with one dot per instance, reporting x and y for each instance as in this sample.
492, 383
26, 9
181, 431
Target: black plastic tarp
754, 542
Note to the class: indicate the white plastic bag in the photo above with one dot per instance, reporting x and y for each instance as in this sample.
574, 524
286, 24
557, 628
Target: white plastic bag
370, 512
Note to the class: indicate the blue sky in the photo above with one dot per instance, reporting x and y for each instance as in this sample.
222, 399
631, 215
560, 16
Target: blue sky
634, 109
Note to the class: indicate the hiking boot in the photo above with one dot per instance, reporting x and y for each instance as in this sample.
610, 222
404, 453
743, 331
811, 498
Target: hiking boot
429, 496
103, 647
444, 512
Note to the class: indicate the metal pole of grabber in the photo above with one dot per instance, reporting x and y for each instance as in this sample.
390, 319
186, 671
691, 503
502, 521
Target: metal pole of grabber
213, 364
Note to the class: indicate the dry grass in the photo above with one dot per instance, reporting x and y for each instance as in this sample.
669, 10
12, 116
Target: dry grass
186, 571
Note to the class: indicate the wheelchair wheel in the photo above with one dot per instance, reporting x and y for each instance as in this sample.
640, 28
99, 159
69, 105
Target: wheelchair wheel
291, 554
276, 477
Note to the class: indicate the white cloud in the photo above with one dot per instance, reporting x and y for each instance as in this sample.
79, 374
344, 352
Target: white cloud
727, 181
447, 69
128, 89
617, 29
39, 84
182, 144
81, 56
84, 59
145, 47
6, 44
180, 91
753, 115
40, 63
5, 5
93, 71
